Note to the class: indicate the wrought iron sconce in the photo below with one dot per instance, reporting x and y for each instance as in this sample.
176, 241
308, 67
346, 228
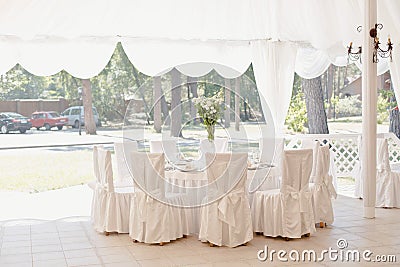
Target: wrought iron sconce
378, 52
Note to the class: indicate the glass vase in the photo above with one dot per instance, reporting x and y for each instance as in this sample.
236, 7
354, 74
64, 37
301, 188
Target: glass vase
210, 132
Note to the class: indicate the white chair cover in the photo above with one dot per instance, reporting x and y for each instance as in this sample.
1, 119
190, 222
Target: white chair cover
123, 152
226, 221
387, 181
219, 145
109, 206
314, 145
152, 220
271, 150
322, 189
287, 212
168, 147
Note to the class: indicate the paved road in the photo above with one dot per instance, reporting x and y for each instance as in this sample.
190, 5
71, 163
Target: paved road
67, 137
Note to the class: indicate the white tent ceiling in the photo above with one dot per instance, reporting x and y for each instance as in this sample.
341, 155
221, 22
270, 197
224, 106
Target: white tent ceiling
46, 36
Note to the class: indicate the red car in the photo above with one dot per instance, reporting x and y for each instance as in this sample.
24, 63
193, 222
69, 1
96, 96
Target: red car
48, 120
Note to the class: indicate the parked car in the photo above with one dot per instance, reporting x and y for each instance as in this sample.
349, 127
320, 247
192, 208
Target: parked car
48, 120
76, 114
11, 121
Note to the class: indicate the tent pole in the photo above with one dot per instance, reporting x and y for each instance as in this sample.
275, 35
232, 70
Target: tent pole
369, 103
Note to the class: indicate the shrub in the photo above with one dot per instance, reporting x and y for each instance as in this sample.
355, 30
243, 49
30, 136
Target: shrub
297, 114
348, 106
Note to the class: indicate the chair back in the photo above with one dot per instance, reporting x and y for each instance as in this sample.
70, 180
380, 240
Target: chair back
168, 147
226, 171
383, 163
96, 163
148, 172
219, 145
296, 169
323, 163
105, 169
271, 150
314, 145
123, 154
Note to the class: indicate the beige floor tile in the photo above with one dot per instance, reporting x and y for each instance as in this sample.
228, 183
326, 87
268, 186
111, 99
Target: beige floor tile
122, 264
83, 261
46, 248
57, 255
15, 250
116, 258
188, 260
14, 244
112, 251
19, 264
13, 238
156, 263
232, 264
76, 246
44, 235
50, 263
19, 258
79, 253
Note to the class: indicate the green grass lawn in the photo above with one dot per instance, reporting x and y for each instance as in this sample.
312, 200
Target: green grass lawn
41, 170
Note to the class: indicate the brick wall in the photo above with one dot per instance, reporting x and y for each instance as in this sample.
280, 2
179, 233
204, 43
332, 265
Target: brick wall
27, 106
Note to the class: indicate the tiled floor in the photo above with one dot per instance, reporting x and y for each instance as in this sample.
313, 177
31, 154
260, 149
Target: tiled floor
74, 243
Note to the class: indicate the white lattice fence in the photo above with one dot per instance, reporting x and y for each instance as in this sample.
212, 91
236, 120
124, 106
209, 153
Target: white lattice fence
345, 148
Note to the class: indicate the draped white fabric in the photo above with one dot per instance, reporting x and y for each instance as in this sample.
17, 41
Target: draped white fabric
158, 35
274, 73
225, 35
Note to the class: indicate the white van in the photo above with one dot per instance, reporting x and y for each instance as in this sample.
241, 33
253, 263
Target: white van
76, 114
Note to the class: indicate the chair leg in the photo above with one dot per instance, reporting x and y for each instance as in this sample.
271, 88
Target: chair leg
321, 224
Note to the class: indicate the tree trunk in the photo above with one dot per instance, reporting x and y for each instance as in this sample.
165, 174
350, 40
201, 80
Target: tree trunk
329, 88
90, 125
139, 84
164, 109
394, 115
192, 84
237, 103
227, 111
246, 115
176, 109
157, 104
317, 122
394, 122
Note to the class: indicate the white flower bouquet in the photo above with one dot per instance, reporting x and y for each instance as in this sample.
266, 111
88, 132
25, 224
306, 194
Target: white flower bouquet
209, 109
